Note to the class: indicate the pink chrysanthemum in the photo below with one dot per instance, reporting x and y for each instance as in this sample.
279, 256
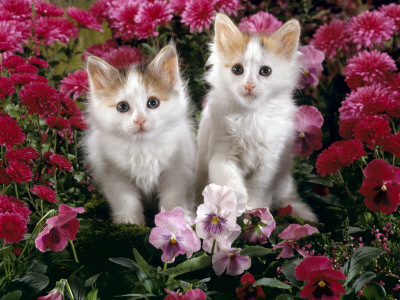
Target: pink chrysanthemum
27, 78
123, 57
372, 130
198, 14
19, 9
368, 68
339, 155
61, 162
121, 14
13, 61
19, 172
12, 228
23, 155
346, 128
51, 29
25, 69
158, 12
10, 133
76, 83
78, 123
260, 23
44, 193
68, 107
392, 11
84, 18
4, 178
178, 6
100, 49
371, 28
38, 61
6, 87
12, 33
13, 205
331, 37
99, 10
44, 8
391, 143
41, 99
58, 122
229, 7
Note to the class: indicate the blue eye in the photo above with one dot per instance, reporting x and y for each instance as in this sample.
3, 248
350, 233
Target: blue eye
265, 71
237, 69
123, 107
153, 103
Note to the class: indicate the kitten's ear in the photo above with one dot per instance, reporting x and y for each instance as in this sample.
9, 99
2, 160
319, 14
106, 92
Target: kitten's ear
228, 37
101, 74
288, 38
167, 62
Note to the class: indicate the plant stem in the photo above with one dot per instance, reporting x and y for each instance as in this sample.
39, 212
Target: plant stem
30, 198
347, 189
165, 266
16, 189
74, 251
71, 296
66, 142
213, 247
76, 148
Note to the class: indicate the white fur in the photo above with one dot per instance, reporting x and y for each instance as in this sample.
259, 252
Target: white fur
133, 167
246, 141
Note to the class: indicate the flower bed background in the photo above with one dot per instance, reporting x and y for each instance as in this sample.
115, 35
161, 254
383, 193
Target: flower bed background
56, 234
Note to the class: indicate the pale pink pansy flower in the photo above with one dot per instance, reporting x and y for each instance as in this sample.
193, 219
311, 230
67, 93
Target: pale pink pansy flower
260, 227
230, 261
193, 294
311, 63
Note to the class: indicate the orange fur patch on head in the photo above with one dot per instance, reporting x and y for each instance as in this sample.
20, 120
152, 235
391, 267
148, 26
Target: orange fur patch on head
157, 83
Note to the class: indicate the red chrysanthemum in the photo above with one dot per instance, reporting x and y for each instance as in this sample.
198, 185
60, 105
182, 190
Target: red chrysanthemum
339, 155
372, 130
391, 143
331, 37
51, 29
38, 61
198, 14
19, 172
6, 87
247, 291
61, 162
27, 78
78, 123
13, 205
57, 122
44, 8
123, 57
25, 69
323, 280
368, 68
229, 7
371, 28
23, 155
12, 228
381, 187
392, 11
10, 133
41, 99
84, 18
346, 127
13, 34
260, 23
4, 178
76, 83
44, 193
68, 107
121, 15
13, 61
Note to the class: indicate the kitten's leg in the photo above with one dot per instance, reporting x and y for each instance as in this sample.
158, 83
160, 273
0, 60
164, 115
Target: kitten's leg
257, 189
124, 200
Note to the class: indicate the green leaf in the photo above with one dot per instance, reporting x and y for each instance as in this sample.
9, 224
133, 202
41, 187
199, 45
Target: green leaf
77, 288
142, 263
33, 282
288, 271
359, 259
284, 297
255, 251
189, 265
135, 296
15, 295
92, 280
374, 292
92, 295
320, 181
363, 279
6, 251
273, 283
126, 262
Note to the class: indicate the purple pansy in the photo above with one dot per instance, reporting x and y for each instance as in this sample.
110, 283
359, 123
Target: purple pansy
231, 261
311, 62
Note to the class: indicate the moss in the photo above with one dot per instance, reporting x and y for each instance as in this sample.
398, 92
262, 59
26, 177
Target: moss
97, 208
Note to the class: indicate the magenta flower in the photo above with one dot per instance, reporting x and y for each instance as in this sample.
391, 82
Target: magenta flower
331, 37
12, 227
173, 235
121, 15
10, 133
381, 187
62, 163
44, 8
123, 56
84, 18
323, 280
76, 83
308, 121
44, 193
13, 34
228, 6
158, 12
291, 234
194, 294
231, 261
51, 29
6, 87
54, 295
216, 218
392, 11
19, 172
260, 23
371, 28
260, 227
198, 14
60, 229
311, 62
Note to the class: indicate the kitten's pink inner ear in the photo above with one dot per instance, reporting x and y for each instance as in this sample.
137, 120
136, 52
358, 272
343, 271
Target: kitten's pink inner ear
170, 67
288, 38
228, 38
96, 79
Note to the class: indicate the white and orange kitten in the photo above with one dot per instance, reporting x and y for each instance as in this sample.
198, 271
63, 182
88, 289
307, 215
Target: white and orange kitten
246, 132
140, 145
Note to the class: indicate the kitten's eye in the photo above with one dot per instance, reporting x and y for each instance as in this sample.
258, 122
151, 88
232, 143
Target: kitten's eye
123, 107
153, 103
237, 69
265, 71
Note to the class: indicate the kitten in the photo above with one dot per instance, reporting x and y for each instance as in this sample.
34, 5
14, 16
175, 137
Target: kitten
246, 132
140, 144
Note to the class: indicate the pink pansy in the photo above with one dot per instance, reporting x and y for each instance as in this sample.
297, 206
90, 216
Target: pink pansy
216, 218
76, 83
173, 235
84, 18
311, 63
371, 28
60, 229
260, 227
308, 121
54, 295
231, 261
194, 294
260, 23
291, 234
198, 14
323, 280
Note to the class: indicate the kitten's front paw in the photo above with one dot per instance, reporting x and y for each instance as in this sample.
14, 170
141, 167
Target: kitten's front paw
129, 219
305, 214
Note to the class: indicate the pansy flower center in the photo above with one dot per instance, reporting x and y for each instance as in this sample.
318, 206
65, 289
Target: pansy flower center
322, 284
172, 239
214, 224
302, 135
383, 188
215, 220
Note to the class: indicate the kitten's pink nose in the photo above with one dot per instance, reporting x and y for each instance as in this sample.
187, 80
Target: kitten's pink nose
249, 86
140, 121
